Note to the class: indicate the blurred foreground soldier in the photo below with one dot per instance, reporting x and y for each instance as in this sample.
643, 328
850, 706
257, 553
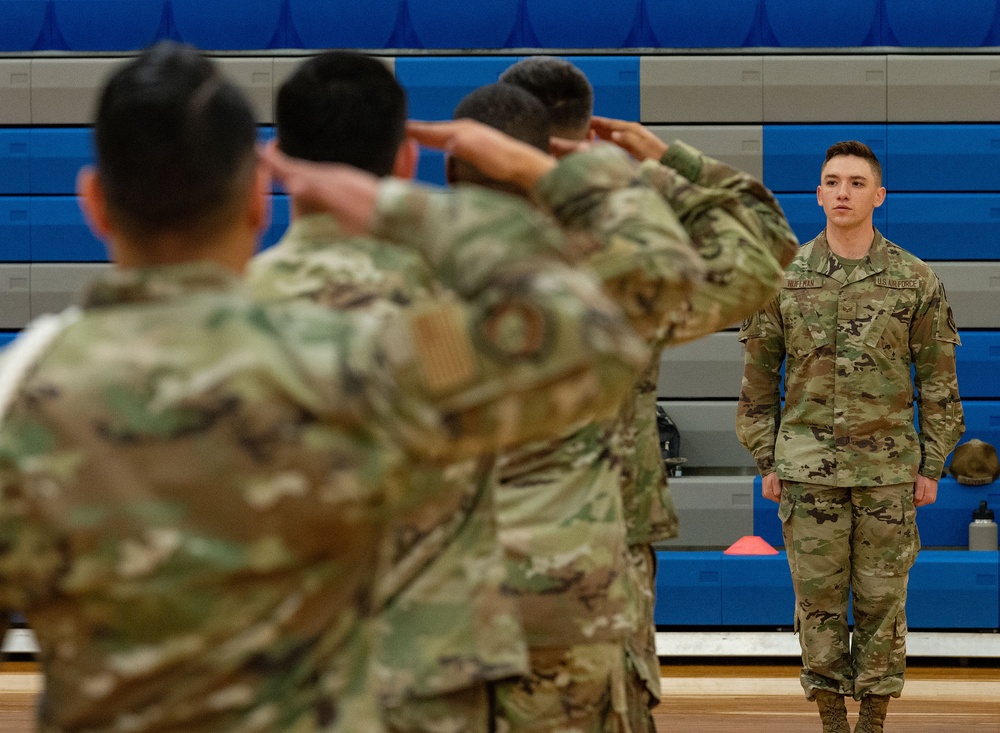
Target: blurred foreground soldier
449, 629
738, 229
194, 488
842, 457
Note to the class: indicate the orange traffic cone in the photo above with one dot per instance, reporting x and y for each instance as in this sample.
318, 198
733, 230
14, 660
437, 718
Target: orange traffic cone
750, 545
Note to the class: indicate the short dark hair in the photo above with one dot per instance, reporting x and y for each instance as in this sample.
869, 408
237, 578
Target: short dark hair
511, 110
562, 88
342, 107
859, 150
175, 143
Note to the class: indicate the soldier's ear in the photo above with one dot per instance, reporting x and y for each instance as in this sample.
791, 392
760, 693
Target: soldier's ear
93, 202
407, 158
880, 196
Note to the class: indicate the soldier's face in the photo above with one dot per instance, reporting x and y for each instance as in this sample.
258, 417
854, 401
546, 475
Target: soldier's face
848, 191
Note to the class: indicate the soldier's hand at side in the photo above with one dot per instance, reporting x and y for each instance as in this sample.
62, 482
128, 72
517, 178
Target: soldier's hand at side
349, 194
495, 154
924, 491
633, 137
771, 487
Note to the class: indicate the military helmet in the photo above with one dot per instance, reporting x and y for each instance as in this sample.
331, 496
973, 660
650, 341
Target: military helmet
975, 463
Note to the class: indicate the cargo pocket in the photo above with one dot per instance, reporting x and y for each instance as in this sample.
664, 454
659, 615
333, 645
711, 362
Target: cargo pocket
785, 509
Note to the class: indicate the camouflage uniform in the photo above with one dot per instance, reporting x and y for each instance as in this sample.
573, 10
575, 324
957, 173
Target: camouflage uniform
449, 628
845, 446
194, 488
738, 229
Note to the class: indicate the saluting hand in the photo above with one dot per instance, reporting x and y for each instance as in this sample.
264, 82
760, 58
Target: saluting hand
632, 137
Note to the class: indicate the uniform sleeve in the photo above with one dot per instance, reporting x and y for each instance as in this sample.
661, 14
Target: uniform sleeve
624, 231
758, 412
933, 338
735, 225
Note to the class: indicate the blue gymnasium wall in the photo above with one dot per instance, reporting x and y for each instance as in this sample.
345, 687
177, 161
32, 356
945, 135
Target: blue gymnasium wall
716, 66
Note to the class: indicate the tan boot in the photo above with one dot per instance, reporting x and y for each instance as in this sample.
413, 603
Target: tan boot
873, 710
832, 711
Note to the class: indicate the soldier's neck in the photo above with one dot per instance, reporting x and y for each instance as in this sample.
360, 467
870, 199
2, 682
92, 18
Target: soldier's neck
851, 243
231, 249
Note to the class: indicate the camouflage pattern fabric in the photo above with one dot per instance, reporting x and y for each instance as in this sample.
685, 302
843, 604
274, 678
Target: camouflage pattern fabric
194, 488
848, 343
468, 710
641, 660
448, 622
874, 531
577, 689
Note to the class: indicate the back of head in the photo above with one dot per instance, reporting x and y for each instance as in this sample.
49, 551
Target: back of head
175, 144
512, 111
561, 87
342, 107
859, 150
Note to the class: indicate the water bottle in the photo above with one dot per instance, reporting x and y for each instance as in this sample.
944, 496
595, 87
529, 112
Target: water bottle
983, 530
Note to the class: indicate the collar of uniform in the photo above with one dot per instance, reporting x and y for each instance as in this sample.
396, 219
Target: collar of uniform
822, 260
148, 284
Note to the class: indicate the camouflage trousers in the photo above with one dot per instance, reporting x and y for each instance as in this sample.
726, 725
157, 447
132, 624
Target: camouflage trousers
576, 689
641, 661
470, 710
856, 543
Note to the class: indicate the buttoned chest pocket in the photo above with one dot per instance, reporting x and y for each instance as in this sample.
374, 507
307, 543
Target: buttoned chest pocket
804, 308
890, 309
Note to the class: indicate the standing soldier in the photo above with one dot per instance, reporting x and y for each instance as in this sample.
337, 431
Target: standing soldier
449, 627
737, 228
842, 457
194, 487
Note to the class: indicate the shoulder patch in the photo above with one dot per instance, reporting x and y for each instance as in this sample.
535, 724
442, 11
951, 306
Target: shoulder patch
800, 284
889, 282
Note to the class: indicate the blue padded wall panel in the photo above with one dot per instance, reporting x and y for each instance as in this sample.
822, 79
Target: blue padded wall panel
807, 217
108, 25
954, 590
6, 338
280, 218
934, 23
463, 24
946, 226
979, 364
60, 234
982, 420
616, 84
944, 157
816, 23
688, 589
582, 23
435, 85
15, 160
15, 229
21, 23
793, 154
766, 580
430, 168
344, 23
945, 523
703, 23
227, 25
57, 154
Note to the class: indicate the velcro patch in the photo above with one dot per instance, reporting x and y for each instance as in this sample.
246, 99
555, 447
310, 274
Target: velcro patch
800, 284
886, 282
443, 350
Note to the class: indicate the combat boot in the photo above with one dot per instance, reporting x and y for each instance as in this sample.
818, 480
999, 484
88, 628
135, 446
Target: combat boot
832, 711
873, 710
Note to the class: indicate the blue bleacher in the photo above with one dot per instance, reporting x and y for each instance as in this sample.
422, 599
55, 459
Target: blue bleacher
325, 24
979, 364
934, 23
430, 169
817, 23
223, 25
807, 218
944, 157
793, 154
21, 23
688, 589
763, 578
704, 23
60, 234
279, 221
945, 226
15, 229
954, 590
109, 25
464, 24
581, 23
57, 154
15, 160
6, 338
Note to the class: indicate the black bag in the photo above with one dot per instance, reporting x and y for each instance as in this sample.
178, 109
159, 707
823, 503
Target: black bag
670, 441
